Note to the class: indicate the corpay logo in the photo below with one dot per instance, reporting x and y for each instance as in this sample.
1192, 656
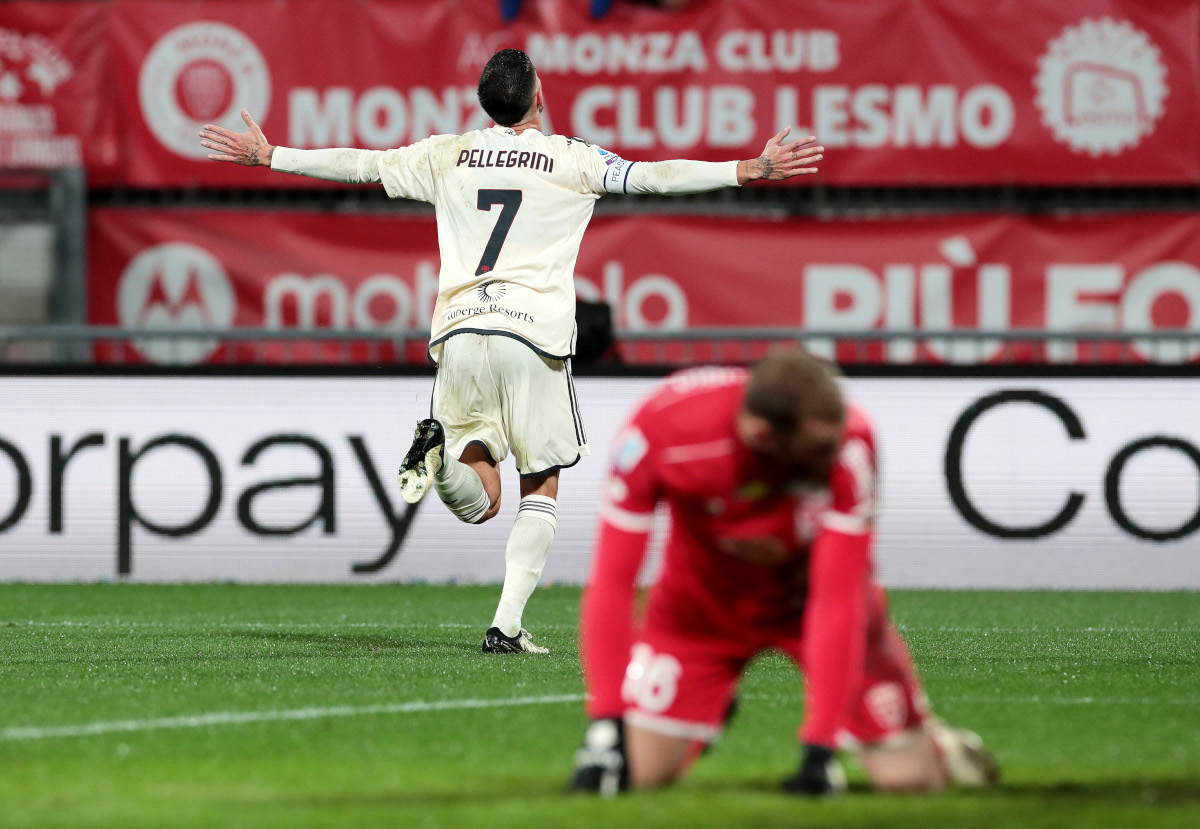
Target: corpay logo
175, 286
200, 73
1101, 87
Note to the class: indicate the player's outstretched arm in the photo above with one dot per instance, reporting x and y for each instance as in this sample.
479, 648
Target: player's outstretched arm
779, 160
251, 149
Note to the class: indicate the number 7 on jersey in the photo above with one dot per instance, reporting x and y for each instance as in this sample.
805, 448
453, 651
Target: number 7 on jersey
509, 201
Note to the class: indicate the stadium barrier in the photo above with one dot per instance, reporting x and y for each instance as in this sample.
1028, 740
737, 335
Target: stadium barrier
74, 345
1018, 479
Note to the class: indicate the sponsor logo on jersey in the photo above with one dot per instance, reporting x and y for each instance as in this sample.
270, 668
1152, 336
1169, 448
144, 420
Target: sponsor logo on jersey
1101, 87
492, 291
609, 158
201, 73
175, 286
491, 308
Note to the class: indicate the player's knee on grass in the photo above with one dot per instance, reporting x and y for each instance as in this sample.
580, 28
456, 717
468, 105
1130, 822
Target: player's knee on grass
905, 762
656, 760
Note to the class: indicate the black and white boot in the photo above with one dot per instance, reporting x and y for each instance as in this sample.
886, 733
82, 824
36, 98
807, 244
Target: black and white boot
423, 460
494, 641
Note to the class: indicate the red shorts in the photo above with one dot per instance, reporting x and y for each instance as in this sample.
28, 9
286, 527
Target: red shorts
683, 685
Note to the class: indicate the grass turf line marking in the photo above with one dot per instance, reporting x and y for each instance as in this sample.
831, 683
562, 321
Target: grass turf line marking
243, 717
102, 623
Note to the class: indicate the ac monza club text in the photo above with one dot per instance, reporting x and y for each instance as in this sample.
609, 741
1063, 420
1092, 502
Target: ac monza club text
632, 117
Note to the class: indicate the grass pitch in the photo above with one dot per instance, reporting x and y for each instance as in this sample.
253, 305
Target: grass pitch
217, 705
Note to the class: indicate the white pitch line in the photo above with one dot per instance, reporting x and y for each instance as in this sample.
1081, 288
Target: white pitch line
241, 717
261, 625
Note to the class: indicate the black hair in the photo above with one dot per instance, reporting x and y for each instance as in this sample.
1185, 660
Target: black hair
506, 86
789, 386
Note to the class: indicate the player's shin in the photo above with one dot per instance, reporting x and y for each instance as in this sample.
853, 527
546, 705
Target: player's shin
524, 558
461, 489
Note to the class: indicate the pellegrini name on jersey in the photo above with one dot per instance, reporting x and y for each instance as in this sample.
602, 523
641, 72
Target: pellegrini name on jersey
506, 158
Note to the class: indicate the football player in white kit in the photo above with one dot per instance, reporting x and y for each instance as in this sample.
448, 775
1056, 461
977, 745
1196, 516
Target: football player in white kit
512, 204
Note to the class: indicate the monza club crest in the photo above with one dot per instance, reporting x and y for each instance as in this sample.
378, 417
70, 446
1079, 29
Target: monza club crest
200, 73
1101, 86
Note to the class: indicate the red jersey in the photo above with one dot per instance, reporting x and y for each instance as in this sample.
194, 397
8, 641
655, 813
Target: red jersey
753, 554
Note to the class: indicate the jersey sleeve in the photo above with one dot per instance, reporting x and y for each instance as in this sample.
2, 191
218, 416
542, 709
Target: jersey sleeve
408, 172
336, 164
606, 613
835, 616
601, 170
606, 172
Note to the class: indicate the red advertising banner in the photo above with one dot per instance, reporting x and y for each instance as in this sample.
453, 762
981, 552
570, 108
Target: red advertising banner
188, 269
57, 107
898, 91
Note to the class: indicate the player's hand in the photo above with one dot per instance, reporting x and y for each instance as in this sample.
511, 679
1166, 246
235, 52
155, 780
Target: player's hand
820, 773
781, 160
250, 149
600, 766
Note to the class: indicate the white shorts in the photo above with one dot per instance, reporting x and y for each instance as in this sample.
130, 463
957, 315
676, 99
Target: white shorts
496, 391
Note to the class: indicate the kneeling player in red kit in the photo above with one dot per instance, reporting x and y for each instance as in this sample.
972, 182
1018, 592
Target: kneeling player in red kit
770, 479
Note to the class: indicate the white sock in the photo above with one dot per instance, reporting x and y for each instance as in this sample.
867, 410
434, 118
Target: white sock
460, 489
524, 558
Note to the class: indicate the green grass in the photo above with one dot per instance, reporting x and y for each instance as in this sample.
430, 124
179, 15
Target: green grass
1088, 699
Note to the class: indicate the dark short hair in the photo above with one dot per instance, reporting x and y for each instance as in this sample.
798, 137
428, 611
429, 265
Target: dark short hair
506, 86
789, 386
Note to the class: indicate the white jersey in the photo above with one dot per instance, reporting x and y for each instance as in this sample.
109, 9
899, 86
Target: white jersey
511, 212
